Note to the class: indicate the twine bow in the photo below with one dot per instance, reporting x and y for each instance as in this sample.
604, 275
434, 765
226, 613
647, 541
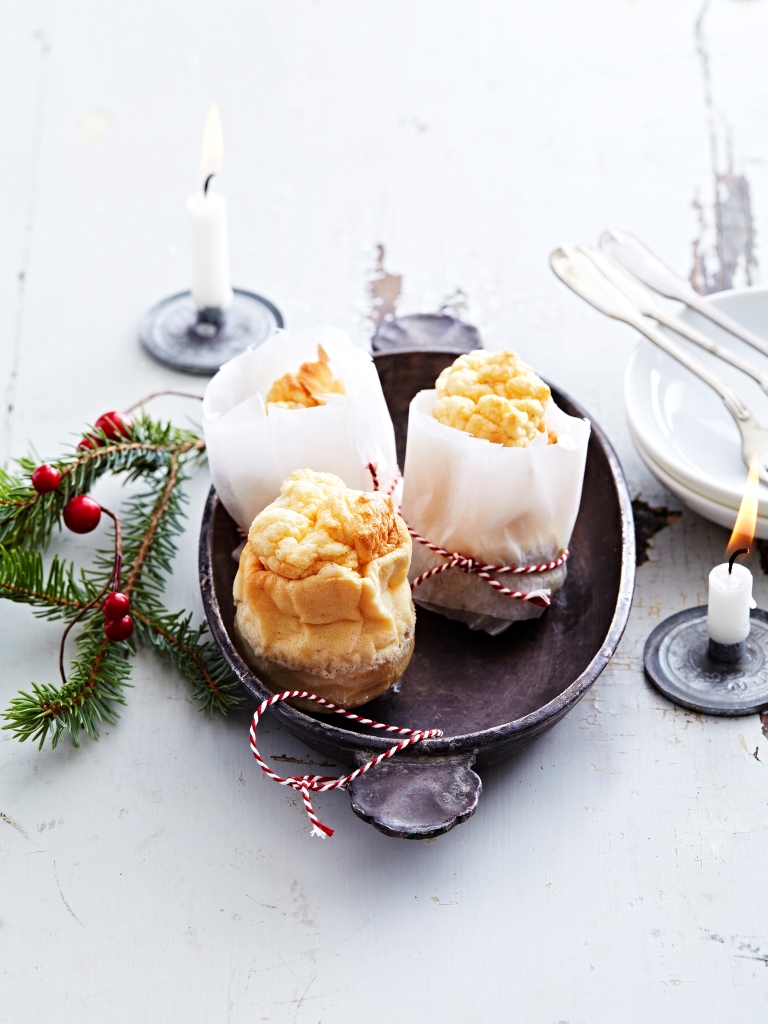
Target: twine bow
306, 784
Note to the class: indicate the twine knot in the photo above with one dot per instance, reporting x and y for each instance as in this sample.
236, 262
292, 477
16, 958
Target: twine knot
306, 784
455, 560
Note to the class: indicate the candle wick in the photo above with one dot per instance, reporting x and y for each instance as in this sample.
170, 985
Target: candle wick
734, 556
207, 183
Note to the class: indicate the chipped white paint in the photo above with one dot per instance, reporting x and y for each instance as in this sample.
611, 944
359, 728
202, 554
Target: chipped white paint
614, 870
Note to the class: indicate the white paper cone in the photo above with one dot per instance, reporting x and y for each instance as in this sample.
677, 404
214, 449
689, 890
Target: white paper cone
501, 506
250, 453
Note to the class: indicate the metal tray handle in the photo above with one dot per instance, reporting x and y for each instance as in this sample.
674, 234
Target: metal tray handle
416, 797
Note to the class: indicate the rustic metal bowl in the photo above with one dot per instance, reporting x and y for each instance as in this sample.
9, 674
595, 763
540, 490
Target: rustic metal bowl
491, 696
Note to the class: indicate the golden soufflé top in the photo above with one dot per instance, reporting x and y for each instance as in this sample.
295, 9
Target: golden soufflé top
494, 396
307, 387
317, 520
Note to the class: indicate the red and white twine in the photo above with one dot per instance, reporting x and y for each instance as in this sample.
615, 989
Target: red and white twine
456, 561
541, 598
375, 478
306, 784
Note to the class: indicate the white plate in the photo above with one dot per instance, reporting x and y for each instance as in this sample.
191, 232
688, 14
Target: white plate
712, 510
681, 422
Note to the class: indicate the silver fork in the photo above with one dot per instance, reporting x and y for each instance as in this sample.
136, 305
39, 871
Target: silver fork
635, 256
646, 304
579, 272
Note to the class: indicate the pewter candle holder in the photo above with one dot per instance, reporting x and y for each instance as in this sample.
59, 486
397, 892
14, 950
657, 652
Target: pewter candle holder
718, 679
178, 334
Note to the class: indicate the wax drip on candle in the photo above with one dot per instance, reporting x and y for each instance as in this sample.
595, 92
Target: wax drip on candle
734, 556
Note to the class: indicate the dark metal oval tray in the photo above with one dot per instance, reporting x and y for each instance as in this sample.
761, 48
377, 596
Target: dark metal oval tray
490, 695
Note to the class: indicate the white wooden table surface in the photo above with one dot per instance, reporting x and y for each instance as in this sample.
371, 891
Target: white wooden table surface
614, 871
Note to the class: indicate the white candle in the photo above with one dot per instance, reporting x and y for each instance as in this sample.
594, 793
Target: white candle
207, 211
730, 585
210, 250
730, 599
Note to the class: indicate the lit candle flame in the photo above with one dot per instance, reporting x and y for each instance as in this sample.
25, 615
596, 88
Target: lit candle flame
744, 531
213, 145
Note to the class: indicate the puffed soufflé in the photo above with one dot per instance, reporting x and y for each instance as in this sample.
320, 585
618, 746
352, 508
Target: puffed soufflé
322, 596
494, 471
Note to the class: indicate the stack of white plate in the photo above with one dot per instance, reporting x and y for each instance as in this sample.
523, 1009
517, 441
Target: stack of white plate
682, 430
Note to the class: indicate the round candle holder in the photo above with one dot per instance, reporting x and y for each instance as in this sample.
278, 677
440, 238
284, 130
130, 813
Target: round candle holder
178, 334
681, 663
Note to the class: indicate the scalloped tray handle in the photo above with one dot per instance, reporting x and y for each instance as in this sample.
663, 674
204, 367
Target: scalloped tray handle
417, 797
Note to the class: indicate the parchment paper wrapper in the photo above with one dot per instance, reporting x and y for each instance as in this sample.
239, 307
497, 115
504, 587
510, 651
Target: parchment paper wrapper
250, 453
502, 506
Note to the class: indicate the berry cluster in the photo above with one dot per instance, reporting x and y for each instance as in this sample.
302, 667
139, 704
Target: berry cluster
82, 515
118, 624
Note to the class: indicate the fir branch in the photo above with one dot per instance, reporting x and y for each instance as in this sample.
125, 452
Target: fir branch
83, 701
151, 522
99, 673
29, 518
174, 637
58, 595
156, 548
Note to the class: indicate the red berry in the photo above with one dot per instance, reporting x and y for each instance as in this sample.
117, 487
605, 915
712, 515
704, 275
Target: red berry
116, 606
115, 425
90, 443
119, 629
46, 479
82, 514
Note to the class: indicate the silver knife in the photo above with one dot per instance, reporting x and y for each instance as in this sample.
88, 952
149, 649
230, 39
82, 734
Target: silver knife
635, 256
